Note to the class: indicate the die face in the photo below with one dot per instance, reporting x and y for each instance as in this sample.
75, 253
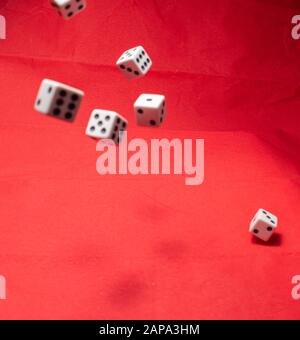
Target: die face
69, 8
268, 217
100, 124
148, 117
65, 103
130, 70
45, 96
58, 100
106, 124
60, 3
263, 225
150, 101
262, 230
134, 62
150, 110
142, 60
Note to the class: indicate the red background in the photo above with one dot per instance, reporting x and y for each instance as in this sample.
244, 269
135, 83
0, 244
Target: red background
75, 244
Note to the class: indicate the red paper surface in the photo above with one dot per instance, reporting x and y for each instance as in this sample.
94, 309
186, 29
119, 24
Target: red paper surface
75, 244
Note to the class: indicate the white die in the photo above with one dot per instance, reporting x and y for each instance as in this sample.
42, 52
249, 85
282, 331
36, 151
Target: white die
107, 125
263, 225
150, 109
134, 62
58, 100
69, 8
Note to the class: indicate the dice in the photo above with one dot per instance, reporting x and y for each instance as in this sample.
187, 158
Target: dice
263, 225
150, 109
107, 125
68, 8
135, 62
58, 100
